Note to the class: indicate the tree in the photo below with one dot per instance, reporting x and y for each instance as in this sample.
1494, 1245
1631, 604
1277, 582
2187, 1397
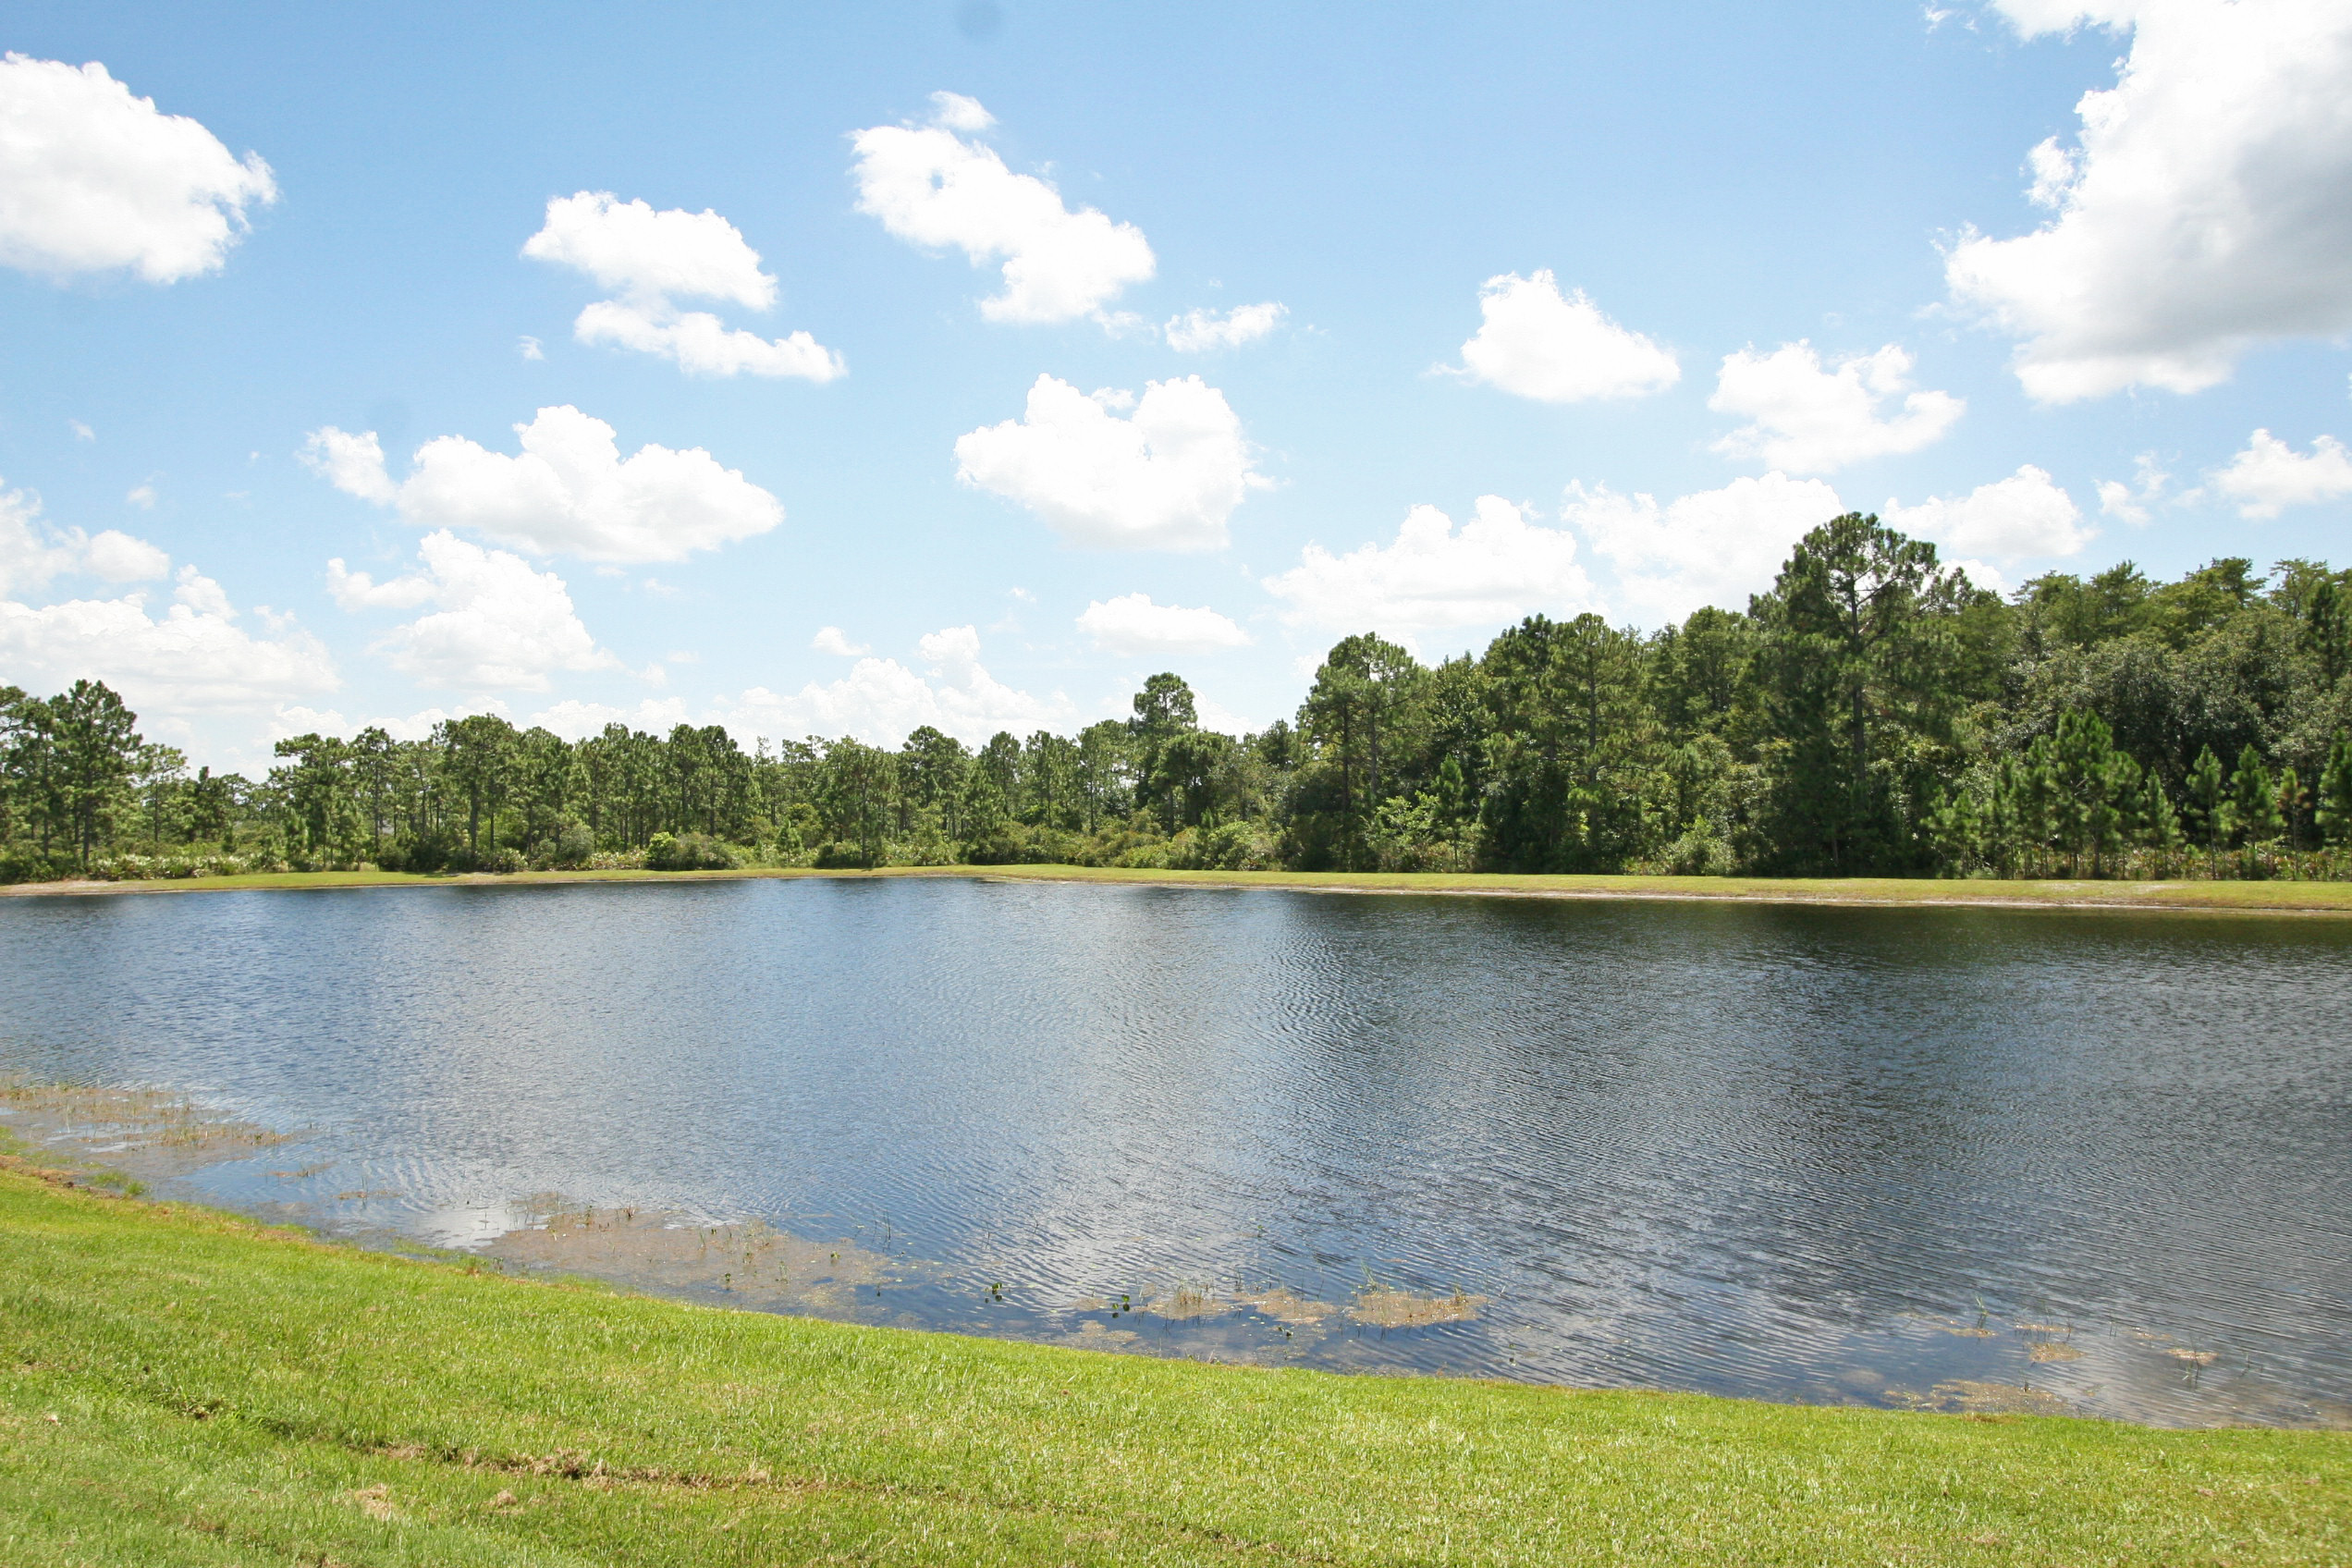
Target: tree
1859, 659
854, 794
96, 742
2254, 797
2211, 811
2335, 814
1350, 717
1574, 760
474, 754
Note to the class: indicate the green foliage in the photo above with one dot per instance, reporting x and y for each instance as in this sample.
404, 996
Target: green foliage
1873, 714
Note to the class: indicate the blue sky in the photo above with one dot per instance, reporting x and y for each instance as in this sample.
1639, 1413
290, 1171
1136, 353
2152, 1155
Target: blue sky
1579, 308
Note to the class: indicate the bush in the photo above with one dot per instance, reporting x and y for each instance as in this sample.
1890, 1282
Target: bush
688, 852
572, 847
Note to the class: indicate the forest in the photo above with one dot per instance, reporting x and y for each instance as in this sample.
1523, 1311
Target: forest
1873, 714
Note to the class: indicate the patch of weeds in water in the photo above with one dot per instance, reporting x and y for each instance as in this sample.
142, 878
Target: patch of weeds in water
148, 1131
1286, 1306
1186, 1302
1381, 1306
749, 1260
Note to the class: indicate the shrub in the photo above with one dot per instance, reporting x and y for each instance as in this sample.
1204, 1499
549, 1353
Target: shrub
688, 852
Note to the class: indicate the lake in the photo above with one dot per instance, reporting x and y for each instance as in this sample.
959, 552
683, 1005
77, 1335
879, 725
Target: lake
1954, 1158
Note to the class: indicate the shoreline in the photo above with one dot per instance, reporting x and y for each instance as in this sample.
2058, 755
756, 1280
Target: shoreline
2272, 898
187, 1377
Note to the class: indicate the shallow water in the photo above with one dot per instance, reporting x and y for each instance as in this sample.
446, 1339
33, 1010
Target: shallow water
1802, 1153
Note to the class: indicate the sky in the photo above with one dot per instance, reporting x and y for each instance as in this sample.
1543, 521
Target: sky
838, 369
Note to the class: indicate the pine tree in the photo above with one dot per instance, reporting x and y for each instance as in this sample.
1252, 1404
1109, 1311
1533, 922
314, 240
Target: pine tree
2210, 812
2294, 801
2335, 817
2254, 793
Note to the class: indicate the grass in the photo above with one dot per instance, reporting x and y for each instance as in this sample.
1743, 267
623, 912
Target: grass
183, 1387
2269, 898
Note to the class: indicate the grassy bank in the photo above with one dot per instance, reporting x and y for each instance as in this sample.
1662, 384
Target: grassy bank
186, 1388
2307, 898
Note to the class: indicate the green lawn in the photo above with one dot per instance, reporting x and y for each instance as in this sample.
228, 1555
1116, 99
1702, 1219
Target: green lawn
2316, 898
183, 1387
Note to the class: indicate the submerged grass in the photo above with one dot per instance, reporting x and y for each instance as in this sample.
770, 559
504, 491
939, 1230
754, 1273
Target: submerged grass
2279, 897
184, 1387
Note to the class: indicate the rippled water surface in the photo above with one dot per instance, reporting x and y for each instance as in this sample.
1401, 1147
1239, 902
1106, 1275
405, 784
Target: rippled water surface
1971, 1159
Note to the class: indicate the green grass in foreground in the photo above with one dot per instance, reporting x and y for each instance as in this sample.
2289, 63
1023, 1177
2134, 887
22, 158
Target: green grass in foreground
186, 1388
2314, 898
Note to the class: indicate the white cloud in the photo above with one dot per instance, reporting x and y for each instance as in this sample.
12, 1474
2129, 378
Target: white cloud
629, 247
1131, 624
1166, 477
880, 700
2206, 207
2269, 475
577, 720
1196, 331
353, 464
702, 344
1713, 547
498, 625
932, 187
118, 557
1806, 419
193, 657
833, 640
568, 492
142, 496
648, 258
2026, 515
2130, 503
1536, 344
93, 179
82, 432
531, 348
33, 553
1499, 568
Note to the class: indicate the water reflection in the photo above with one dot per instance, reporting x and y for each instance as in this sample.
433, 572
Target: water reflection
1964, 1159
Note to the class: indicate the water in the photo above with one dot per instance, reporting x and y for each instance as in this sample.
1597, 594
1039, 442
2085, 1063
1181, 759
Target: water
1798, 1153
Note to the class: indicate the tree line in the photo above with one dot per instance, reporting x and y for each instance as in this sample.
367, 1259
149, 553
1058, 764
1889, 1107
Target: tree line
1874, 713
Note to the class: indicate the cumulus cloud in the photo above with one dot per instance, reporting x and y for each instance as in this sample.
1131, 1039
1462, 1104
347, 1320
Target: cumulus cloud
1167, 476
193, 656
496, 624
2026, 515
353, 463
568, 492
1806, 418
1131, 624
33, 553
648, 258
1196, 331
2269, 475
932, 186
1537, 344
2132, 502
93, 179
1499, 568
833, 640
880, 700
1711, 547
117, 556
2205, 204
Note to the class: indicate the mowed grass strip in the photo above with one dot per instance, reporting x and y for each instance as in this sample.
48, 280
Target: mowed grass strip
2243, 897
183, 1387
